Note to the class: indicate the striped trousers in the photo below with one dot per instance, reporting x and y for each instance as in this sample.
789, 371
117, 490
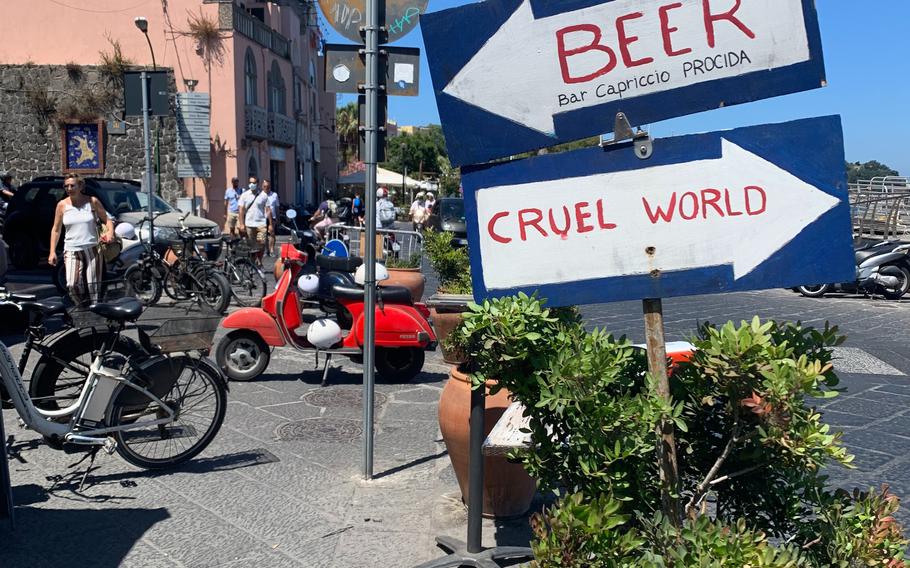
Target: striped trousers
83, 275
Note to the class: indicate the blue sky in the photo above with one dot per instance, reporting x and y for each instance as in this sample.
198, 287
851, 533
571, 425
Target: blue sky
867, 57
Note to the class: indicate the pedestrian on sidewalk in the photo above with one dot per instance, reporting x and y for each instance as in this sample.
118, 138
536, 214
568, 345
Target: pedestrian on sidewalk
385, 210
418, 211
357, 209
81, 215
274, 204
253, 218
232, 207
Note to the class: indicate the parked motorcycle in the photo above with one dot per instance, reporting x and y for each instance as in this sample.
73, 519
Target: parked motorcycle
882, 268
403, 330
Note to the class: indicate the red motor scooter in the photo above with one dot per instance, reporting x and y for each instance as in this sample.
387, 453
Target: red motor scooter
403, 330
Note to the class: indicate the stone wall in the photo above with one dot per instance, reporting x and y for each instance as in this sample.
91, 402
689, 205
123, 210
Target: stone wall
35, 99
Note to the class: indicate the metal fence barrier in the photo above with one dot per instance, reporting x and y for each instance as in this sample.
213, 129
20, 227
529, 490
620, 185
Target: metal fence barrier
880, 208
390, 243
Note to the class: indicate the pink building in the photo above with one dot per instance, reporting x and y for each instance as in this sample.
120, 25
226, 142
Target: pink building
263, 82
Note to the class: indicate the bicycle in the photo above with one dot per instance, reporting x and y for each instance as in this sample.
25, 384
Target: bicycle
64, 356
182, 275
247, 280
155, 410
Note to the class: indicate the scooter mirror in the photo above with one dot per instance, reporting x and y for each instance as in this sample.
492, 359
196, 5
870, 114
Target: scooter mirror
292, 214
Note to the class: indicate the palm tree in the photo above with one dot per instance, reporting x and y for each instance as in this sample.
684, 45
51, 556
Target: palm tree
347, 122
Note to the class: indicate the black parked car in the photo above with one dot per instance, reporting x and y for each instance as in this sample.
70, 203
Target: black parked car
448, 215
30, 215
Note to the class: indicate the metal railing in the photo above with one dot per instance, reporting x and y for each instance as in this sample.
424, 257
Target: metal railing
282, 129
256, 122
880, 208
390, 243
262, 34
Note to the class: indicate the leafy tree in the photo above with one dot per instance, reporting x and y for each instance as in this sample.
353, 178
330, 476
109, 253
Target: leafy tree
347, 120
857, 171
420, 151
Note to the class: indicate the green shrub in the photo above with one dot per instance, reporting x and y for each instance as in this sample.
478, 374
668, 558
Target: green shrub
748, 438
450, 263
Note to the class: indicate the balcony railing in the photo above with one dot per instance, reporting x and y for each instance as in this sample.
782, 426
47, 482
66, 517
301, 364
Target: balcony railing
282, 129
257, 31
256, 122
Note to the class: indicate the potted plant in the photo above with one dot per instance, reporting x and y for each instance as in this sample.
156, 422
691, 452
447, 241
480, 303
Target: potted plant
406, 272
453, 272
499, 338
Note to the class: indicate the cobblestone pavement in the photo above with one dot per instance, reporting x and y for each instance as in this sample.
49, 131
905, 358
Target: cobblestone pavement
280, 485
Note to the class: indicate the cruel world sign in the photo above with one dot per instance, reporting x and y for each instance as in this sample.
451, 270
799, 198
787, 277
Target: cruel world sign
526, 74
751, 208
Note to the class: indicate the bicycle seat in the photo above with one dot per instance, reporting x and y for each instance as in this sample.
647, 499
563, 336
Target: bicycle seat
387, 294
47, 307
124, 309
230, 240
340, 263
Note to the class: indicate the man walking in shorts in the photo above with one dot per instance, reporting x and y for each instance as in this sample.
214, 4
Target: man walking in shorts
253, 216
232, 207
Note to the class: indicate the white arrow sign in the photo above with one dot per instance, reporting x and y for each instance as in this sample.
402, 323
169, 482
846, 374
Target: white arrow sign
735, 210
532, 69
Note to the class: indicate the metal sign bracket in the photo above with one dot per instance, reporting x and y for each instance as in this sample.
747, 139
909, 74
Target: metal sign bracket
622, 132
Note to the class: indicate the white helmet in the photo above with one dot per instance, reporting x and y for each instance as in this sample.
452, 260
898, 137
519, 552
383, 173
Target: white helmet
381, 273
323, 333
125, 231
308, 284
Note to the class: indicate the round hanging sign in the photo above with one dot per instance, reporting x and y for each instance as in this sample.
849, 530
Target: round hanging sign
347, 16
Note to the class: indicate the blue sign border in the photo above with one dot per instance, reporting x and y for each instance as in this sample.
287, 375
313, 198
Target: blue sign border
810, 149
474, 135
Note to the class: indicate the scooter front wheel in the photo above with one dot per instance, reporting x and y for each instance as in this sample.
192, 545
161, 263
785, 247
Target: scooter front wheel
399, 364
816, 291
242, 355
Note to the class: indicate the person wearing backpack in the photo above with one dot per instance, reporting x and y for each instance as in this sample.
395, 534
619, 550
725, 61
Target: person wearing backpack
385, 209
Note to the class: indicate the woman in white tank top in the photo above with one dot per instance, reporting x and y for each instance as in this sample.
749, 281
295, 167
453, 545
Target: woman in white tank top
79, 214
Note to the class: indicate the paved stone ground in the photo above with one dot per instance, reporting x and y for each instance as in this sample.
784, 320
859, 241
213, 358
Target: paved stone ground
280, 485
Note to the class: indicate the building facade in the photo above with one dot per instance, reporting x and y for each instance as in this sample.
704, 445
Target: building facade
259, 61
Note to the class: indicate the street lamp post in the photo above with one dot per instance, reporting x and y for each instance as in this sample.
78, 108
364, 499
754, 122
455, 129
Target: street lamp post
143, 25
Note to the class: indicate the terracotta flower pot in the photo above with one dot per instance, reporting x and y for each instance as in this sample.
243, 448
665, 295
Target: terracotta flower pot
507, 488
410, 278
443, 324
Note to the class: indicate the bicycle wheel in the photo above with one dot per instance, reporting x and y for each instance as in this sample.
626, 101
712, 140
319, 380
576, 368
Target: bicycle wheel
247, 282
212, 288
197, 396
142, 284
61, 371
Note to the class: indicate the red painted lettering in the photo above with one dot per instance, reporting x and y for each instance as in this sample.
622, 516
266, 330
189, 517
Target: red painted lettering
667, 215
666, 30
491, 228
682, 201
712, 201
626, 40
764, 200
730, 211
580, 217
728, 15
600, 217
523, 223
564, 54
564, 232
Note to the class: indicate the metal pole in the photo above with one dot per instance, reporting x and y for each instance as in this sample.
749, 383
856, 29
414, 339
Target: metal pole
147, 138
475, 469
369, 324
194, 197
657, 366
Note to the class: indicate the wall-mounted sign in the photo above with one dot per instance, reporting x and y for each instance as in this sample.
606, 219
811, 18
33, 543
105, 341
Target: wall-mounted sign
82, 146
194, 155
